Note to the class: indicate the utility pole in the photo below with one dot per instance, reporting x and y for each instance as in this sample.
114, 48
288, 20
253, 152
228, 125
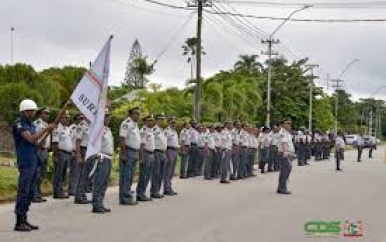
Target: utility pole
312, 77
337, 85
269, 53
199, 4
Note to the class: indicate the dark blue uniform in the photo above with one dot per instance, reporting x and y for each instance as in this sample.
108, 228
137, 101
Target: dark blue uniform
27, 163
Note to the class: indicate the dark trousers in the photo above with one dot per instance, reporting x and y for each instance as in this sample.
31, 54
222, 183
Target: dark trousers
264, 153
318, 151
209, 160
225, 164
184, 162
84, 177
145, 173
216, 163
63, 159
285, 171
360, 149
251, 161
200, 156
126, 176
235, 161
158, 172
245, 158
25, 189
73, 177
192, 160
170, 166
42, 169
101, 182
272, 158
339, 156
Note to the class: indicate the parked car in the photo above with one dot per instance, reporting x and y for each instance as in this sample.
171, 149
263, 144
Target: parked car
351, 139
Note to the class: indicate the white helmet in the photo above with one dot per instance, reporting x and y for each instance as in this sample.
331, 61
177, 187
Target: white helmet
28, 104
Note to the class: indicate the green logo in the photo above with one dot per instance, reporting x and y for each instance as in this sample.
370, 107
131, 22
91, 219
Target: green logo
323, 228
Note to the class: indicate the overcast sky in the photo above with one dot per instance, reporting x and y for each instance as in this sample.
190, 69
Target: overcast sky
71, 32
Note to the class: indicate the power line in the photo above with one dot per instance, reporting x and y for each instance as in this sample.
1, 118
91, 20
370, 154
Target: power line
233, 33
320, 5
370, 20
302, 20
175, 36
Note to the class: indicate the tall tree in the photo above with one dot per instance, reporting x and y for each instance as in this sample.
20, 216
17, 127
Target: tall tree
133, 78
249, 64
142, 68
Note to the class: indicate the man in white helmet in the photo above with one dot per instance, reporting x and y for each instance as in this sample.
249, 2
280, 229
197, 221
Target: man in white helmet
26, 145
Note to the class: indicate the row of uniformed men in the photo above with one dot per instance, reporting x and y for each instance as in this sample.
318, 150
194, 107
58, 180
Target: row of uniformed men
69, 144
155, 148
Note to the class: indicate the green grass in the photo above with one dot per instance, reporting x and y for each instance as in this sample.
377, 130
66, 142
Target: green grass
8, 183
9, 176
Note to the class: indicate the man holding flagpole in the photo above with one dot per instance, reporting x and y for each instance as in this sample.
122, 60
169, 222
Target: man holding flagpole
103, 170
90, 98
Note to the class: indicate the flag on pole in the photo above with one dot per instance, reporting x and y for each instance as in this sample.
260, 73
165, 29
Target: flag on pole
90, 97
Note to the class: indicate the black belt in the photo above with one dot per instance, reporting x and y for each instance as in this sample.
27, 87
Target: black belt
149, 152
172, 148
66, 152
158, 150
132, 149
245, 147
193, 144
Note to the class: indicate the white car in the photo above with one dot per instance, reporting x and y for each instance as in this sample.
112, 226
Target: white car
351, 139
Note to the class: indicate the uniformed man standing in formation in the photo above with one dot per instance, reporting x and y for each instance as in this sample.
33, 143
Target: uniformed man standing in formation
172, 152
202, 152
73, 178
360, 143
339, 150
275, 148
146, 159
184, 151
63, 154
26, 144
227, 141
211, 153
103, 169
235, 150
43, 151
287, 154
193, 153
82, 136
265, 142
129, 143
219, 151
245, 144
300, 144
160, 143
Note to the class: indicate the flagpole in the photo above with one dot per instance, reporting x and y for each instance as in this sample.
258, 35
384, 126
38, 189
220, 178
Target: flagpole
56, 121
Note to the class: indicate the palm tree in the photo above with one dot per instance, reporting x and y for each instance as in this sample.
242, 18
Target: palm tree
248, 63
142, 67
190, 49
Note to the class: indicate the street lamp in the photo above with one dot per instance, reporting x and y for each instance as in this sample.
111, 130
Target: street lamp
339, 80
271, 41
371, 113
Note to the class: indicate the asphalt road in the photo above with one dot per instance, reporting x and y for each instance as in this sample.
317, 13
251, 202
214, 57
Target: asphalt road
243, 211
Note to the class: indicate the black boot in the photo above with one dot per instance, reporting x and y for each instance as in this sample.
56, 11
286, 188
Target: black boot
21, 226
33, 227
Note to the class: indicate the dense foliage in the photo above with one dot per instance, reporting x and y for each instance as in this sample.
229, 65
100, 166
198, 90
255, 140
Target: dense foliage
237, 93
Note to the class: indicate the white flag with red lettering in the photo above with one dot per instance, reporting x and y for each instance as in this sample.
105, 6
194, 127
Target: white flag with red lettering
90, 97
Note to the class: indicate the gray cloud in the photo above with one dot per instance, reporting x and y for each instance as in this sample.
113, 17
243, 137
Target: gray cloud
56, 33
